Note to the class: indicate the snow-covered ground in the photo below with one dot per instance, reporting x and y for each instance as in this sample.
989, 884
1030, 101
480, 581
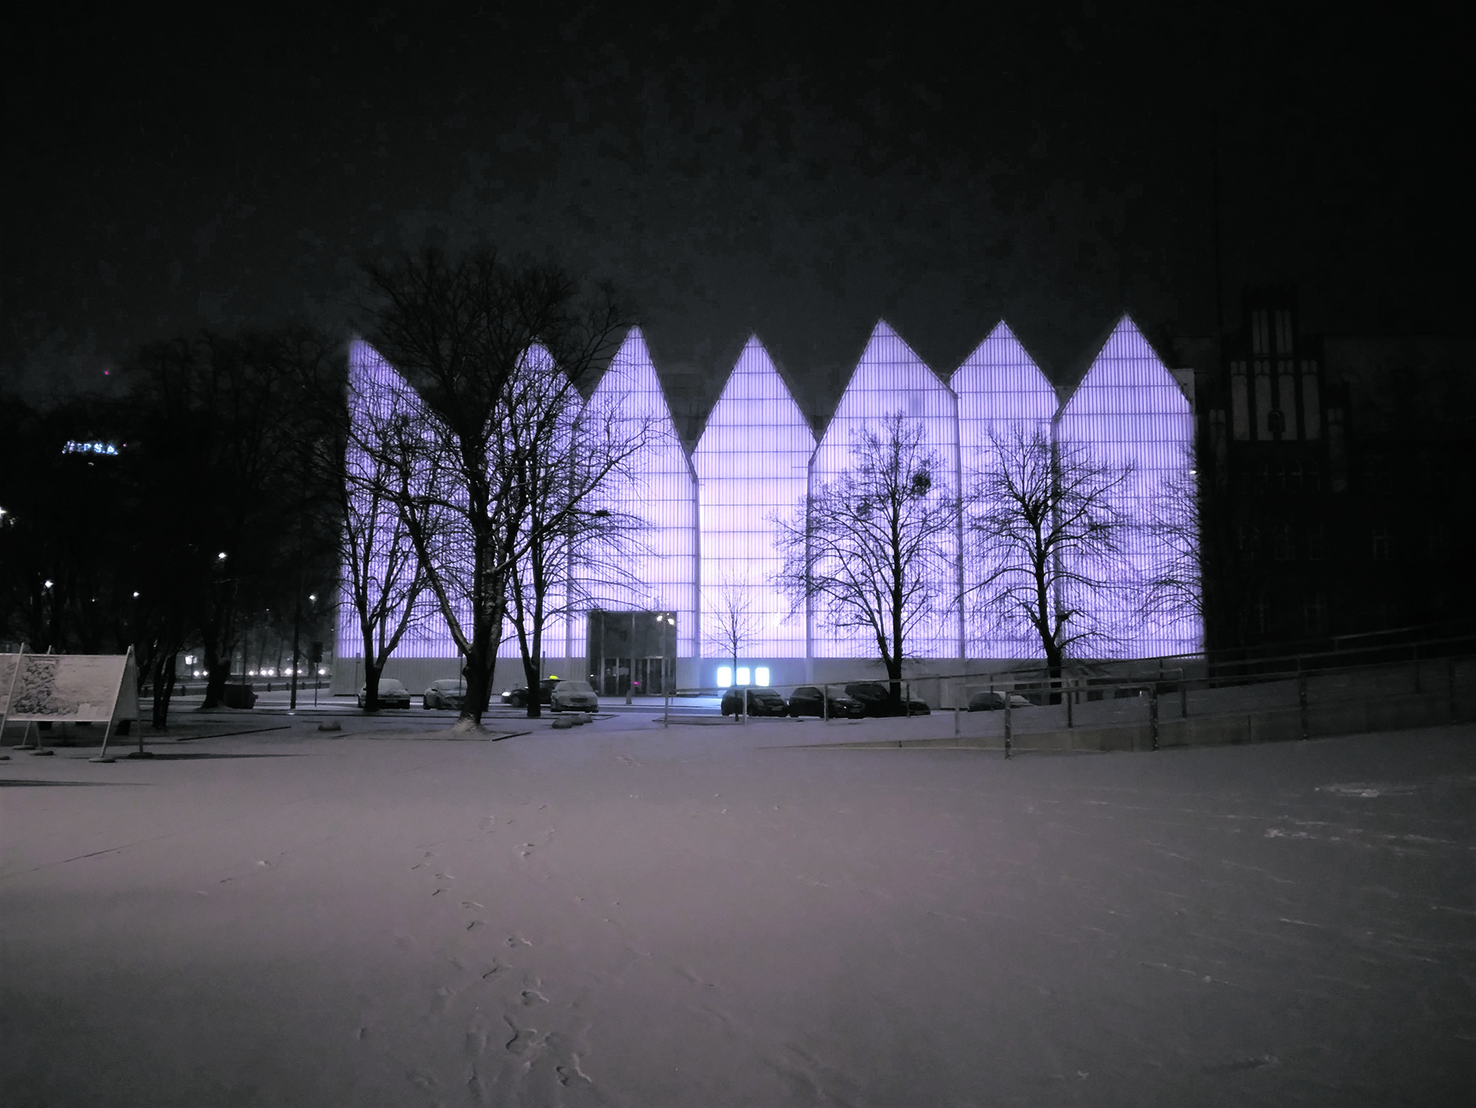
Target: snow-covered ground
714, 915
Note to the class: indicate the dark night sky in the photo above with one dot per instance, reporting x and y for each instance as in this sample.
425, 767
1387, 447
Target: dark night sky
786, 170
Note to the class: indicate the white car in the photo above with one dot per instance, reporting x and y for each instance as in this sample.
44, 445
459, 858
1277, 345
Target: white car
574, 696
448, 692
392, 694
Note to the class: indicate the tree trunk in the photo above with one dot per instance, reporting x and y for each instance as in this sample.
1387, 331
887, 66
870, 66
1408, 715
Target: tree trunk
162, 676
216, 675
481, 657
371, 683
1054, 665
532, 678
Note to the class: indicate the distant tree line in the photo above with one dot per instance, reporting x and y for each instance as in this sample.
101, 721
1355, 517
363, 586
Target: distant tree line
177, 516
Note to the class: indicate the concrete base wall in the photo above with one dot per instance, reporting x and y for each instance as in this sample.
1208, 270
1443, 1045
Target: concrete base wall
1428, 709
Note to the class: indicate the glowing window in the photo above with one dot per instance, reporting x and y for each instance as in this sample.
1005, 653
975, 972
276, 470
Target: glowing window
761, 676
742, 675
725, 677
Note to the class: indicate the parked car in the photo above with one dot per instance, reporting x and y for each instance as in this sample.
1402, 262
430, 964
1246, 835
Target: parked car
995, 701
574, 696
517, 696
807, 699
392, 694
761, 702
446, 693
877, 699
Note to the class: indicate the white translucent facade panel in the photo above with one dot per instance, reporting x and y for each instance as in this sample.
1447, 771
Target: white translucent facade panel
1003, 398
1129, 411
657, 568
378, 398
891, 379
752, 463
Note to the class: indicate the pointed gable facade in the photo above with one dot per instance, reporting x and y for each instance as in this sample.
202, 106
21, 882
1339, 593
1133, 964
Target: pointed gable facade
751, 464
1130, 411
1002, 396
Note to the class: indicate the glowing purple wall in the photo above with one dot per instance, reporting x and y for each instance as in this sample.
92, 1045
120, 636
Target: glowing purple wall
1000, 390
662, 490
1129, 409
376, 393
751, 462
889, 378
758, 455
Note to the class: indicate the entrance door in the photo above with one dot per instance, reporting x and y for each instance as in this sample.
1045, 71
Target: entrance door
616, 678
651, 673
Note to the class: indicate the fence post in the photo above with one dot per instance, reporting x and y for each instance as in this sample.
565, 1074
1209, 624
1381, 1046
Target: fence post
955, 721
1302, 697
907, 697
1183, 695
1007, 726
666, 712
825, 703
1153, 713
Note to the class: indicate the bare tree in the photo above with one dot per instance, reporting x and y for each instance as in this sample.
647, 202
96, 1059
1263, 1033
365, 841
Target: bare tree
560, 452
460, 330
1046, 532
215, 425
873, 548
1172, 590
731, 622
382, 578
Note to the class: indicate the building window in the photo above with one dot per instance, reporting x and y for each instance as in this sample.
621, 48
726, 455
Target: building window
1286, 543
742, 675
725, 677
1381, 544
761, 676
1275, 422
1314, 614
1317, 542
1250, 541
1436, 546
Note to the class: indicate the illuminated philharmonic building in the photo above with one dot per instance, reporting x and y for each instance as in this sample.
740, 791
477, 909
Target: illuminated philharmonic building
709, 513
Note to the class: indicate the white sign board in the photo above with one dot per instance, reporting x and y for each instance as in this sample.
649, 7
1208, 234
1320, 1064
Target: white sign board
68, 688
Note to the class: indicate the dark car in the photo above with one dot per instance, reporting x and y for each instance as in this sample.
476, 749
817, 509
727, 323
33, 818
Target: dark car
761, 702
995, 701
448, 692
877, 699
806, 701
517, 696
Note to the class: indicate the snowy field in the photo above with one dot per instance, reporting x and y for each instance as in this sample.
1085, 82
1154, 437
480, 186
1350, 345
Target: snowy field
717, 915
